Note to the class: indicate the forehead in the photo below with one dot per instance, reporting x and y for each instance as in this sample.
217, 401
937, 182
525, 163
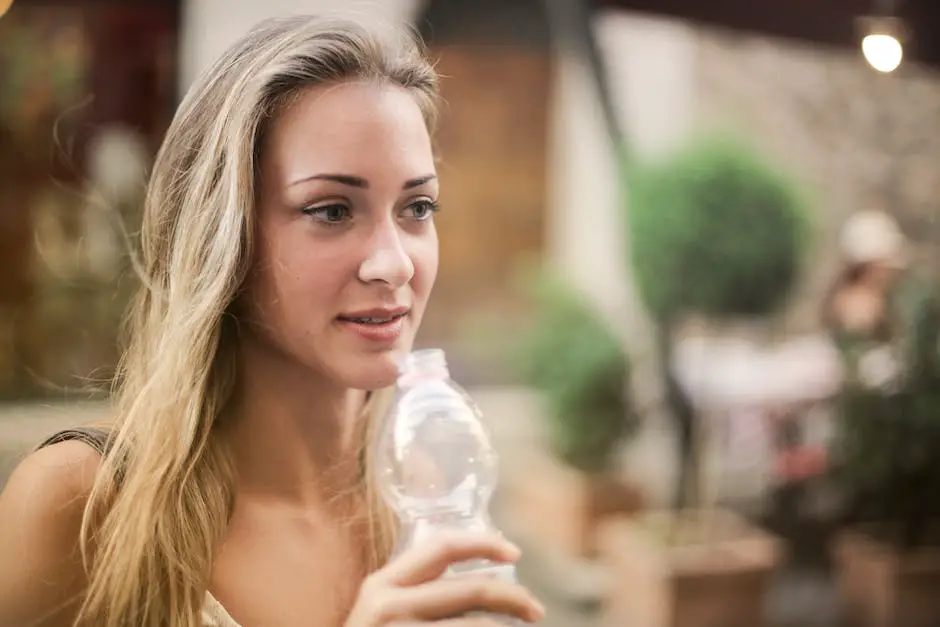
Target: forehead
352, 127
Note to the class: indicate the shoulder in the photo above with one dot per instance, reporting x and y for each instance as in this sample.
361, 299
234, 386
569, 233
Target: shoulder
52, 479
41, 510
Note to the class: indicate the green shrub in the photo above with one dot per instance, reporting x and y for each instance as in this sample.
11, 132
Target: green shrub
575, 360
886, 459
715, 231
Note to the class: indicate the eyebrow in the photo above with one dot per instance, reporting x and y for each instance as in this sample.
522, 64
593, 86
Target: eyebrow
356, 181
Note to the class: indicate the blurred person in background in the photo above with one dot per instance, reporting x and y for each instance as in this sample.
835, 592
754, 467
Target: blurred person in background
288, 253
879, 304
874, 251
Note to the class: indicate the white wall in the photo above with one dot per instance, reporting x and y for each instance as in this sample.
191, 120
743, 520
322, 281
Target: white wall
650, 64
210, 26
584, 233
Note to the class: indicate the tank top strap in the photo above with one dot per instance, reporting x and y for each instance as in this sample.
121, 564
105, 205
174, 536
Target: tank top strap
98, 438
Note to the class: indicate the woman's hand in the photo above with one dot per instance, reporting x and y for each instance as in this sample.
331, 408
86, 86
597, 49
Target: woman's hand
409, 591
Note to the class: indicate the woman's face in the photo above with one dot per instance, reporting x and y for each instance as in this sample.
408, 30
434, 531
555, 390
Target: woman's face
346, 251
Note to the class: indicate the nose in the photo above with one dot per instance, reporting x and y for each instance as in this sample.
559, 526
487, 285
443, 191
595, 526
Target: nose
387, 261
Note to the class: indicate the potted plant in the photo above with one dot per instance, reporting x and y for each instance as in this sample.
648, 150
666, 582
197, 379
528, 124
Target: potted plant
716, 234
575, 361
887, 467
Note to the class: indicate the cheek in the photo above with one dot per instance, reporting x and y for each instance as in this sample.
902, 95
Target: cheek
425, 260
291, 279
309, 280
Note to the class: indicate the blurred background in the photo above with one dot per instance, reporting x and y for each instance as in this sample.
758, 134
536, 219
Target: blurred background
688, 269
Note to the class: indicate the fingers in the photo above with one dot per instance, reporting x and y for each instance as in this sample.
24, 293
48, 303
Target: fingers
411, 592
428, 561
446, 598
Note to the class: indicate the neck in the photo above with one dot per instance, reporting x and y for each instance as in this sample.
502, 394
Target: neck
294, 435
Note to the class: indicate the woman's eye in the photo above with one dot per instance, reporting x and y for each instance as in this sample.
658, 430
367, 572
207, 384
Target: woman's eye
330, 214
422, 210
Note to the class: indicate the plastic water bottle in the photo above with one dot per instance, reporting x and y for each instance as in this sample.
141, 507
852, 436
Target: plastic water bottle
437, 468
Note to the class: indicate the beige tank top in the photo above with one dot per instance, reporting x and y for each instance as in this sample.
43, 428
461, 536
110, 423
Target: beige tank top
213, 614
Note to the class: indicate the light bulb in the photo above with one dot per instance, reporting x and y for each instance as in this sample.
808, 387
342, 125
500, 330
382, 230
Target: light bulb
883, 52
5, 5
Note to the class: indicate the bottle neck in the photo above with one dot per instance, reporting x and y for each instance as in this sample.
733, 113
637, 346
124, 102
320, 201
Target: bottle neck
422, 365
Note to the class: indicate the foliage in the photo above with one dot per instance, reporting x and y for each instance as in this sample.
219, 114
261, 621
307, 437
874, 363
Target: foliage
714, 230
575, 360
887, 460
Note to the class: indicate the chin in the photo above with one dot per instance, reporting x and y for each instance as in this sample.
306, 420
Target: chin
370, 372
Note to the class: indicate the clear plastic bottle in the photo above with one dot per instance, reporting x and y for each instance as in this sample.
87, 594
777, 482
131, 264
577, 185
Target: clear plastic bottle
436, 466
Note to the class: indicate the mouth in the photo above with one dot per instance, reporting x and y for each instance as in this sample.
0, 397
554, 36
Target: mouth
383, 326
375, 316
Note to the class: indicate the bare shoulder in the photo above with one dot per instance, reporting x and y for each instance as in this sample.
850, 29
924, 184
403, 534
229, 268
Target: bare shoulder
41, 509
62, 469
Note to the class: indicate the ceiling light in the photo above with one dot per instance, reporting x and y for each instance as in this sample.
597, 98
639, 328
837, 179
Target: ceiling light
882, 41
883, 52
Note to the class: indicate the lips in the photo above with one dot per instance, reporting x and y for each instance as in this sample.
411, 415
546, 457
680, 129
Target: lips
382, 326
376, 316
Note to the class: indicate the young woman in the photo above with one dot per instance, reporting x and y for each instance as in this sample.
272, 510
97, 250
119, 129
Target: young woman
288, 252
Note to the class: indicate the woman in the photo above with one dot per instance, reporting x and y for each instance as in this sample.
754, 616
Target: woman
857, 306
288, 251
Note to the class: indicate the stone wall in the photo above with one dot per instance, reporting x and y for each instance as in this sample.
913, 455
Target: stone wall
857, 139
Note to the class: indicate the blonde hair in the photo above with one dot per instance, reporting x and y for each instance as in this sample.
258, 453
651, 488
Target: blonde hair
164, 494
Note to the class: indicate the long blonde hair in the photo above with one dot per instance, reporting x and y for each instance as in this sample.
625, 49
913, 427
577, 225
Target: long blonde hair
164, 494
